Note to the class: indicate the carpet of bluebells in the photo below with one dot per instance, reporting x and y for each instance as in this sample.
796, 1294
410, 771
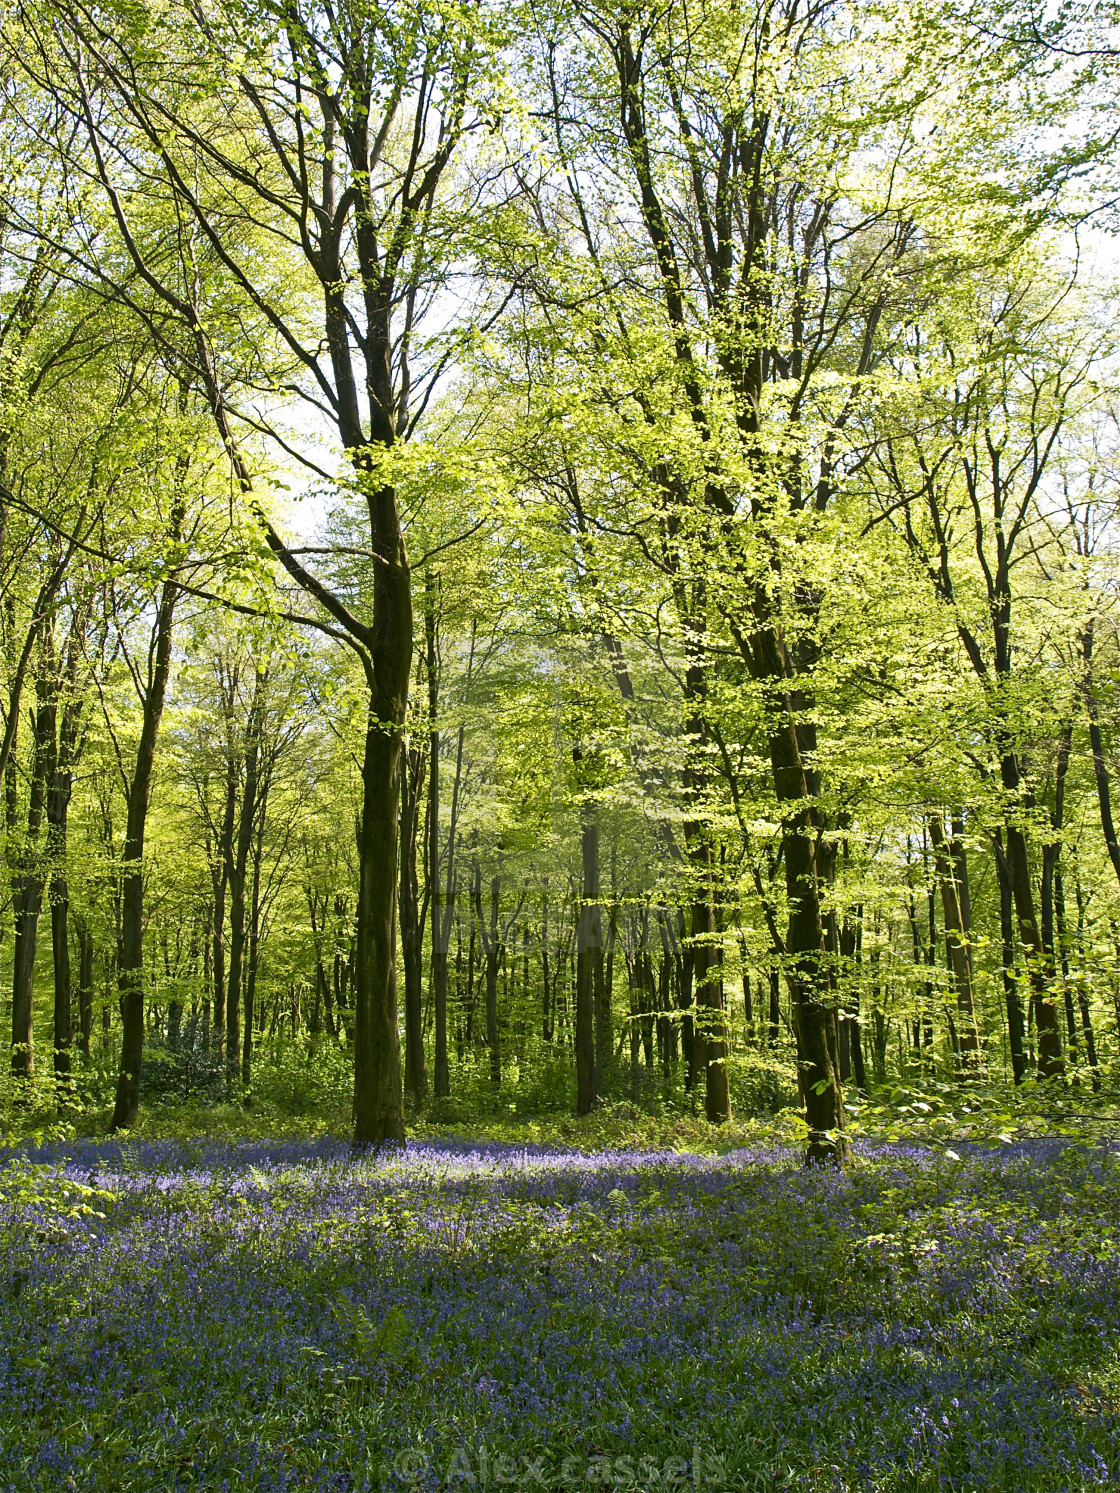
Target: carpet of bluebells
282, 1316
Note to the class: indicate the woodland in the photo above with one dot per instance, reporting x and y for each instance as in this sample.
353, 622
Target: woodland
559, 728
557, 558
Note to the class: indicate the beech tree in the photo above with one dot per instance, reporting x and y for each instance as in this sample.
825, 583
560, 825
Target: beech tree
327, 142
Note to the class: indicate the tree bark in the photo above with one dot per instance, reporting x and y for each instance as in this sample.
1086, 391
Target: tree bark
27, 895
441, 879
415, 1062
85, 985
130, 963
954, 904
1015, 1025
589, 964
491, 944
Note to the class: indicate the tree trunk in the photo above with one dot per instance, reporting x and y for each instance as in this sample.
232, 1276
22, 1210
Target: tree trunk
1050, 1060
64, 749
814, 1016
1100, 767
1015, 1024
378, 1086
442, 884
415, 1062
27, 894
130, 966
85, 985
589, 966
710, 1037
491, 943
238, 851
547, 1025
254, 947
949, 867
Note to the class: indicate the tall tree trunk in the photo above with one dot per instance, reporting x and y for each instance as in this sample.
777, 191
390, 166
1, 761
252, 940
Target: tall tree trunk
27, 890
415, 1062
547, 1024
954, 903
710, 1036
1015, 1024
1100, 766
85, 985
442, 880
1050, 1060
130, 964
378, 1086
814, 1016
491, 943
237, 872
64, 749
219, 875
254, 947
1082, 995
589, 963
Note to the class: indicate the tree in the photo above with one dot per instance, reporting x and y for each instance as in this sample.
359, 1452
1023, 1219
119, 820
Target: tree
325, 143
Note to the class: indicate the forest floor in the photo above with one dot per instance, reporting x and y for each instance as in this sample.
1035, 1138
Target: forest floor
278, 1314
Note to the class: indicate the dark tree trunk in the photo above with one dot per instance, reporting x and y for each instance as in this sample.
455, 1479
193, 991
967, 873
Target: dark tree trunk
493, 956
27, 892
711, 1038
814, 1016
441, 879
63, 1031
1014, 1007
64, 749
1100, 767
85, 985
774, 1016
237, 873
219, 876
130, 966
469, 994
1050, 1060
589, 968
1082, 995
415, 1062
254, 946
547, 1021
951, 868
748, 1002
378, 1087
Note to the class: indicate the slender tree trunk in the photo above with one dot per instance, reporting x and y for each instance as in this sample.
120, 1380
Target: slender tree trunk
442, 881
589, 966
1015, 1023
237, 871
27, 893
1100, 767
85, 985
468, 1020
219, 874
1043, 1009
957, 937
130, 967
64, 750
1082, 995
546, 986
415, 1062
491, 943
711, 1039
254, 948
